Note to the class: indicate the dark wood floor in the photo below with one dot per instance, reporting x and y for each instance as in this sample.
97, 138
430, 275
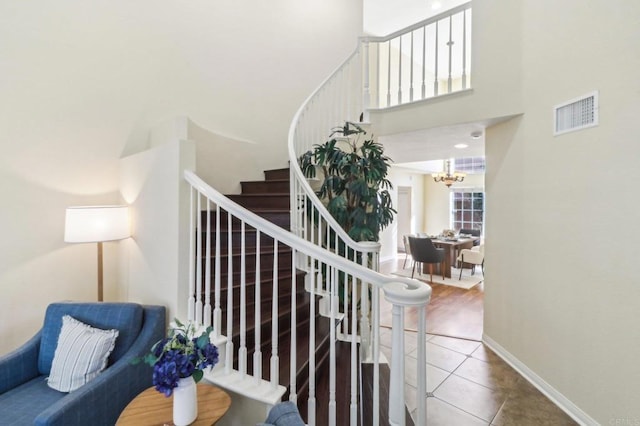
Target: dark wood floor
453, 312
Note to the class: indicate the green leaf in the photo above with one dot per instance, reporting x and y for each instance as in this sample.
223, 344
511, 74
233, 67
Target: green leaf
203, 340
197, 375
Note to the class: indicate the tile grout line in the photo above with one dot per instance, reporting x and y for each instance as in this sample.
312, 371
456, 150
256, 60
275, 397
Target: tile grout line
498, 412
464, 411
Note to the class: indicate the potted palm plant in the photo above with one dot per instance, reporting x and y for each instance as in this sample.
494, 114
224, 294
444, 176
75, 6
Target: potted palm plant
354, 185
352, 173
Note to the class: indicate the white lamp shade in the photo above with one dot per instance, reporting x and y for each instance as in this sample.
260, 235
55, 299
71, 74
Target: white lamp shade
96, 223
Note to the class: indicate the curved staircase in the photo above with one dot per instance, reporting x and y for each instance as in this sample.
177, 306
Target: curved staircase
270, 199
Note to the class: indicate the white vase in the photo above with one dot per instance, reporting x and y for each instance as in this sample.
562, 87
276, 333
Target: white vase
185, 402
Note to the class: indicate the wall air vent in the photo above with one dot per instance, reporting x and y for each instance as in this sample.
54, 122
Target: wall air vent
576, 114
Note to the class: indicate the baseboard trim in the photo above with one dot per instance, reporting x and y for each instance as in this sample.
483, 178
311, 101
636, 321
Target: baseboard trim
549, 391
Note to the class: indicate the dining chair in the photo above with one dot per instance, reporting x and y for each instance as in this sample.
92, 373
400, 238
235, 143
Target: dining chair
423, 251
472, 232
473, 256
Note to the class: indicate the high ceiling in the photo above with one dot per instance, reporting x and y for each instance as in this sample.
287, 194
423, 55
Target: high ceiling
382, 17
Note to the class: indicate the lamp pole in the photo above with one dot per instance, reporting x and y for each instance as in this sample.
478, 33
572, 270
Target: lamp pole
100, 273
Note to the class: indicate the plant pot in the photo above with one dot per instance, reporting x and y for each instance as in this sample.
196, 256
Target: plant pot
185, 402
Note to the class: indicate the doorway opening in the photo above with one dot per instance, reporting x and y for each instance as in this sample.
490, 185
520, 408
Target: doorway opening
404, 215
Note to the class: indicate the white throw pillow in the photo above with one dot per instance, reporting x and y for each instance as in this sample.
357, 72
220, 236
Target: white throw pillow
81, 354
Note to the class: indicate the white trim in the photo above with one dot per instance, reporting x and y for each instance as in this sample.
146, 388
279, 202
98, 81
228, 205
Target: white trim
435, 98
466, 189
549, 391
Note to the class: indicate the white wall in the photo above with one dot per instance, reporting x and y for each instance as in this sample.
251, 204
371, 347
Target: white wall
437, 206
562, 294
82, 84
561, 298
389, 236
224, 161
154, 262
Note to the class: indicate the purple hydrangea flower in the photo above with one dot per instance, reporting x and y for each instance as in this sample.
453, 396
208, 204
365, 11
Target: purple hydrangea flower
181, 355
208, 356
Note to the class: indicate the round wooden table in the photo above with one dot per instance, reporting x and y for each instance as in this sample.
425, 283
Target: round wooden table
152, 408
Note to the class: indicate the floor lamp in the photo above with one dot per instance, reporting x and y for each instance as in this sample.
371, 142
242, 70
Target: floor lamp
96, 224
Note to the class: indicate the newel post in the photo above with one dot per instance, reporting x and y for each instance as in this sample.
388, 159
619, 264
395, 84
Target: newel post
403, 293
396, 387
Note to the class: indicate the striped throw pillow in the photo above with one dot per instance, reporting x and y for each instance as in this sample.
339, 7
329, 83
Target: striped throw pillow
81, 354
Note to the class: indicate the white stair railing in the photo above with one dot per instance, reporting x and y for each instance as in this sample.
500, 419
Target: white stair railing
436, 58
427, 59
211, 215
339, 98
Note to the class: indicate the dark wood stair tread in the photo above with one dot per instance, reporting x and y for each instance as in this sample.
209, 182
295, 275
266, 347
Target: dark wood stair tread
322, 336
267, 181
272, 186
277, 174
367, 397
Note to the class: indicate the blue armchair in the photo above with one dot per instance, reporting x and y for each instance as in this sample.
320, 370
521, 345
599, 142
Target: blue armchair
25, 397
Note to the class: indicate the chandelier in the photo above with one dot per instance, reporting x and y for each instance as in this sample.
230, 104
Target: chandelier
447, 177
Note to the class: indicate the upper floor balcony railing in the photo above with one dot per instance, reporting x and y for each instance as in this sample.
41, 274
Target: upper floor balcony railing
427, 59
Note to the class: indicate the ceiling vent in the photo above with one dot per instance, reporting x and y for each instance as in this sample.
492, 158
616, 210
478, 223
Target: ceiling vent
576, 114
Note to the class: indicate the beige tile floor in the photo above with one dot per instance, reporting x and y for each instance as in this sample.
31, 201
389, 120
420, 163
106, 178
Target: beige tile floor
467, 384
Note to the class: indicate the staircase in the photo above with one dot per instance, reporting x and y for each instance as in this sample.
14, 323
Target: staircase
270, 199
265, 312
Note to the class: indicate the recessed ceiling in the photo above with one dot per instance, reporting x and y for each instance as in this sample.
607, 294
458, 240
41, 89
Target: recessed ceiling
424, 150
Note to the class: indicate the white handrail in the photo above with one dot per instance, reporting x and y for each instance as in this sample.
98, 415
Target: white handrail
318, 245
432, 54
299, 178
332, 103
402, 292
418, 290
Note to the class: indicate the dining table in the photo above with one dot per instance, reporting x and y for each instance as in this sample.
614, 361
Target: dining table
452, 247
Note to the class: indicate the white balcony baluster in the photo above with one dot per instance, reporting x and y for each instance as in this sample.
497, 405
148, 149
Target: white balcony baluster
450, 44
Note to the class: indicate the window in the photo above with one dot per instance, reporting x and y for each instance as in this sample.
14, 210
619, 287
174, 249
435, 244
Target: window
471, 165
467, 209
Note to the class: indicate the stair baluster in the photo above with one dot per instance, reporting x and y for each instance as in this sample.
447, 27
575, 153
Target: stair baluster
299, 373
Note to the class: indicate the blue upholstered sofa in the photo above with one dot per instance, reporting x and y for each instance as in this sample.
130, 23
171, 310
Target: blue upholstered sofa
25, 397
